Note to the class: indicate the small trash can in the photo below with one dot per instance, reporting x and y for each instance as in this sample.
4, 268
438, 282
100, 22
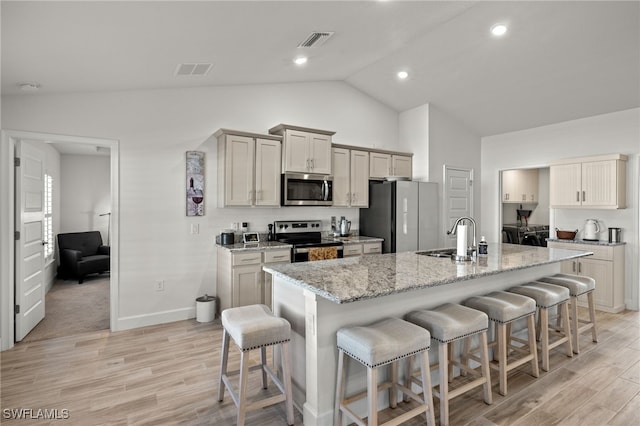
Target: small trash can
205, 308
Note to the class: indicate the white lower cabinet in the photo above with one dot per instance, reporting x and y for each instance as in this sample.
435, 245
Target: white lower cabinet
606, 267
240, 278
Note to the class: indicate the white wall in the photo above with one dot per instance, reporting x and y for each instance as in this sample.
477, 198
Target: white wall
414, 137
155, 129
85, 193
603, 134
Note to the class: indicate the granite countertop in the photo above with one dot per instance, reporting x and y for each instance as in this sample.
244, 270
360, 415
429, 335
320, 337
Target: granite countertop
367, 277
262, 245
594, 243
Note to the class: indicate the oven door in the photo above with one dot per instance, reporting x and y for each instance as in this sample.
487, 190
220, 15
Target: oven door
301, 254
307, 190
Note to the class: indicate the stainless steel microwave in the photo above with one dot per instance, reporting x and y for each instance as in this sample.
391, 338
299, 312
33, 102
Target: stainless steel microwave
299, 189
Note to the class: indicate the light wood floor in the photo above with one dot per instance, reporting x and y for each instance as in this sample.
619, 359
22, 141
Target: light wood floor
168, 375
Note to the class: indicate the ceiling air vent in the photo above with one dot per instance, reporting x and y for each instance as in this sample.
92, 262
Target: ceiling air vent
193, 69
316, 39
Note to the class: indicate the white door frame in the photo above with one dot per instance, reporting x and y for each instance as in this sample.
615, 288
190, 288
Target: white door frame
7, 224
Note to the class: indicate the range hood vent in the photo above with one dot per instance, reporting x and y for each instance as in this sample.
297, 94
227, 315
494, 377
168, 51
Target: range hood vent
193, 69
316, 39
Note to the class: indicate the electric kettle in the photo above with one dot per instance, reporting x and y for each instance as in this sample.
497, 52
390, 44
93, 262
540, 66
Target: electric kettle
345, 227
591, 230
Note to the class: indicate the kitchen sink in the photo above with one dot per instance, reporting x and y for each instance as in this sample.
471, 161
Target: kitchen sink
446, 252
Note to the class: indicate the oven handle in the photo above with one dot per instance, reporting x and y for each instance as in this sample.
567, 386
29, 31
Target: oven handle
306, 249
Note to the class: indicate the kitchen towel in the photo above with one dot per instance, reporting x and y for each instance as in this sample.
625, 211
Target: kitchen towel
323, 253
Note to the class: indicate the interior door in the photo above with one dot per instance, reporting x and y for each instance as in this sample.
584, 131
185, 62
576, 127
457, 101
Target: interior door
458, 197
29, 281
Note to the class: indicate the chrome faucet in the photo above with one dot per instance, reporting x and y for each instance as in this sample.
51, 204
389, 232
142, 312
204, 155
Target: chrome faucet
454, 229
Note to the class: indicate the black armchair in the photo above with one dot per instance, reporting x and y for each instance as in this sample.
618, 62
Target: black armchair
81, 254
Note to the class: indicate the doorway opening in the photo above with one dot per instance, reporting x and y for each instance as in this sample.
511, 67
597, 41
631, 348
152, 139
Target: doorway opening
103, 217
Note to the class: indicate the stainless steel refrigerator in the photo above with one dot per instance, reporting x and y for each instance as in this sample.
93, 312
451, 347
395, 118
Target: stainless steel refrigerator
404, 213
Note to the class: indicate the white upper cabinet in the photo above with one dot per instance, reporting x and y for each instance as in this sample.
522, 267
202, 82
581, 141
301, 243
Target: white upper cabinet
382, 165
304, 150
520, 186
350, 178
593, 182
248, 169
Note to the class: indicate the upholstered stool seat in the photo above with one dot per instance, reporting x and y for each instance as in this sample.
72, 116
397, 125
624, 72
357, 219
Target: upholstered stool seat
548, 296
503, 309
578, 285
254, 327
447, 324
379, 344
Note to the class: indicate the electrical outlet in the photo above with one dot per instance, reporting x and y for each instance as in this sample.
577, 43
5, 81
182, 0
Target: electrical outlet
160, 285
195, 228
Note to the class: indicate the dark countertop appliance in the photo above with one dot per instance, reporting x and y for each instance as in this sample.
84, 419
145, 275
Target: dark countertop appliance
533, 235
303, 235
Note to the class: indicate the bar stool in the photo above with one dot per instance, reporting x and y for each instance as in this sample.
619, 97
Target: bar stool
578, 285
547, 296
376, 345
503, 309
255, 327
447, 324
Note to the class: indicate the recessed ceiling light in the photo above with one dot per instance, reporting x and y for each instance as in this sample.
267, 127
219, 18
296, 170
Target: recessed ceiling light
28, 86
498, 29
402, 75
300, 60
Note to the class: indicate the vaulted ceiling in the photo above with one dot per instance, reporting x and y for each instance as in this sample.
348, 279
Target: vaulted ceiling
558, 61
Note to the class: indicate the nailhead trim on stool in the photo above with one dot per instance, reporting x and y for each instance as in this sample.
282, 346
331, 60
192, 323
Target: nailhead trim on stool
504, 308
448, 323
578, 285
255, 327
375, 345
547, 296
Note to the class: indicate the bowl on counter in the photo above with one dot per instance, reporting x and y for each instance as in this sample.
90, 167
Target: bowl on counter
566, 235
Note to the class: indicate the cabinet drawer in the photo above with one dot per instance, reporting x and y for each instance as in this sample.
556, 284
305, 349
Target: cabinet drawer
352, 250
274, 256
240, 259
369, 248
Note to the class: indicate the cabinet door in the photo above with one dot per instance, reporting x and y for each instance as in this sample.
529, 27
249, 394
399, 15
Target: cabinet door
359, 178
529, 186
401, 166
602, 272
509, 186
271, 257
296, 152
239, 170
247, 285
565, 185
267, 184
599, 180
379, 165
320, 153
341, 177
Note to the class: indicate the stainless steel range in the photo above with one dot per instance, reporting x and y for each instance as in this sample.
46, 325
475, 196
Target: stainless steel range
304, 235
533, 235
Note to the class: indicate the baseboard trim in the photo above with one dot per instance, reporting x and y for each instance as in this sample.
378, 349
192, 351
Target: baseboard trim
156, 318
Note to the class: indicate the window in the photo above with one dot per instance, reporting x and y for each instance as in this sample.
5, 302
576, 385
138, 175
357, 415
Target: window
48, 217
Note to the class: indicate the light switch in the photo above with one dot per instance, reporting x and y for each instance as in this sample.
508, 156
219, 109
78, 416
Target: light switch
195, 228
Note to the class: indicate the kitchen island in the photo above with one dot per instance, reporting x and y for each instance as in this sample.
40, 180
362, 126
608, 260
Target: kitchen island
318, 298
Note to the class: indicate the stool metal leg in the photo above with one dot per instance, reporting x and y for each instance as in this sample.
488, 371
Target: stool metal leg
223, 364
